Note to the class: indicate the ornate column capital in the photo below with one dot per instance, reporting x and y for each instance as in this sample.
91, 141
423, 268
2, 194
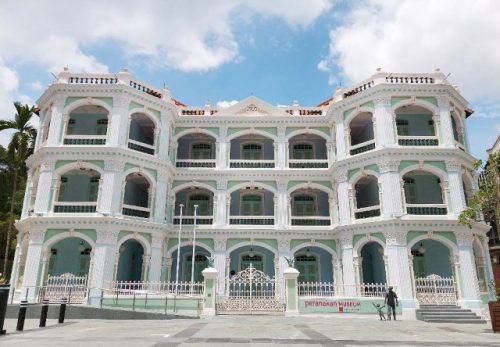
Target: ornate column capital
464, 237
452, 165
36, 235
157, 241
340, 175
48, 165
283, 245
120, 102
282, 183
395, 237
345, 239
389, 166
383, 101
114, 165
163, 176
221, 183
107, 236
220, 244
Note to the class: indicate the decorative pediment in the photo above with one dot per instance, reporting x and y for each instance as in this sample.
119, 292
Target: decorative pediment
252, 107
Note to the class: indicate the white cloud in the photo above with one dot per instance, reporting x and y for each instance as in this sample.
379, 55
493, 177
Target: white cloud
186, 35
418, 36
36, 86
225, 103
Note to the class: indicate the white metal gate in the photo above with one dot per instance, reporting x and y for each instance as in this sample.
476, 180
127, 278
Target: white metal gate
436, 290
68, 286
251, 292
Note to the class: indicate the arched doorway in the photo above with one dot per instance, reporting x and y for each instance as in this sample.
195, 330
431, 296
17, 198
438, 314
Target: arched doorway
434, 276
185, 264
130, 263
259, 257
373, 264
70, 256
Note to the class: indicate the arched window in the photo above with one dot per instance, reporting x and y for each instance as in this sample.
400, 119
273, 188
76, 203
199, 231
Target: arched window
251, 151
254, 259
303, 151
304, 205
251, 205
201, 151
307, 265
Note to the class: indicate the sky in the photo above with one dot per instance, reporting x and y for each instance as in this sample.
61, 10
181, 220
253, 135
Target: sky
277, 50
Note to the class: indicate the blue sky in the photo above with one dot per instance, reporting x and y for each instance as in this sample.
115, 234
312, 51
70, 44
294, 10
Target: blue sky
280, 51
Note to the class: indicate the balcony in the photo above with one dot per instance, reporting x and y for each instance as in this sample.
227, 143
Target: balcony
367, 212
189, 220
308, 164
251, 220
426, 209
251, 164
195, 163
85, 140
75, 206
141, 147
362, 147
310, 220
418, 141
136, 211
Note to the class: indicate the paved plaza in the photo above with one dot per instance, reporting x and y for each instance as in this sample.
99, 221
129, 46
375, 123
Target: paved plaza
310, 330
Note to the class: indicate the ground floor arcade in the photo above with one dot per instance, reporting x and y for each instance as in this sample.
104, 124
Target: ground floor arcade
350, 263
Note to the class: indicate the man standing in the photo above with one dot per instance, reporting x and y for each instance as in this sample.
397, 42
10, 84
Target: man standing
391, 300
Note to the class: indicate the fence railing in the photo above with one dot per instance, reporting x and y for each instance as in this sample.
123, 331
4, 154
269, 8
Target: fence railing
367, 212
75, 206
141, 147
329, 289
426, 209
251, 220
195, 163
308, 163
310, 220
418, 140
84, 140
136, 211
155, 288
251, 164
362, 147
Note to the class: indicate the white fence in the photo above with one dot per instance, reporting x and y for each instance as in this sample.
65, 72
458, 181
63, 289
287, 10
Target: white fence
436, 290
66, 286
156, 288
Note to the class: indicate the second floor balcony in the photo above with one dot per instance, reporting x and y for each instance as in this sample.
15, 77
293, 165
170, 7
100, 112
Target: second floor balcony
86, 126
251, 206
77, 191
196, 150
252, 152
307, 151
424, 194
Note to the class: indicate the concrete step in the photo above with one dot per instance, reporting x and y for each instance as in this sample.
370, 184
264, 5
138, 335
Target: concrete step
451, 317
455, 320
451, 314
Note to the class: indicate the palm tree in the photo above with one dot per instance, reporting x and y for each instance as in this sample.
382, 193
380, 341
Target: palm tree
20, 147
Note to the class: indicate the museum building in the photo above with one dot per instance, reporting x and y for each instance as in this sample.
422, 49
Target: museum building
362, 191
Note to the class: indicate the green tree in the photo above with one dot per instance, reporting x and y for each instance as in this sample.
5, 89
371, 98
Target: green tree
487, 198
20, 147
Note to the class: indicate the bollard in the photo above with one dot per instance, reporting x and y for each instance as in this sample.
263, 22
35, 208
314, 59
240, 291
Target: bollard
43, 314
22, 315
4, 297
62, 310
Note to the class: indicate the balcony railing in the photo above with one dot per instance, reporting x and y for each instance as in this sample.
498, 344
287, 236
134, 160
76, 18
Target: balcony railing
95, 79
308, 164
367, 212
136, 211
251, 164
141, 147
84, 140
362, 147
418, 141
75, 206
251, 220
426, 209
196, 163
189, 220
311, 220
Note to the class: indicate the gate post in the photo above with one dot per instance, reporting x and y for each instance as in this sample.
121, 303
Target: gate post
292, 292
209, 290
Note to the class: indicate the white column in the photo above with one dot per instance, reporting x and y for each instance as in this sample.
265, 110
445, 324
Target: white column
223, 152
340, 139
27, 194
343, 197
161, 197
456, 188
389, 182
220, 263
281, 208
220, 209
118, 123
283, 253
337, 276
156, 258
164, 137
467, 272
103, 263
398, 266
110, 190
14, 275
330, 152
445, 120
349, 279
384, 129
280, 153
32, 272
45, 186
56, 123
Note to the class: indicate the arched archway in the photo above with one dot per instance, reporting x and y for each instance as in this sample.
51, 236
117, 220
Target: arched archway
137, 196
251, 205
373, 267
196, 150
251, 150
191, 197
87, 125
415, 126
259, 257
77, 191
130, 263
431, 257
71, 255
367, 197
309, 206
362, 137
185, 263
314, 264
307, 150
423, 193
142, 133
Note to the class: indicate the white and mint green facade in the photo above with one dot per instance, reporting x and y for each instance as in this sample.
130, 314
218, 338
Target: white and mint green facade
363, 189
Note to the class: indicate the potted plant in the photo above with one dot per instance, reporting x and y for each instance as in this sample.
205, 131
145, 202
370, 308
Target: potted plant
494, 307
